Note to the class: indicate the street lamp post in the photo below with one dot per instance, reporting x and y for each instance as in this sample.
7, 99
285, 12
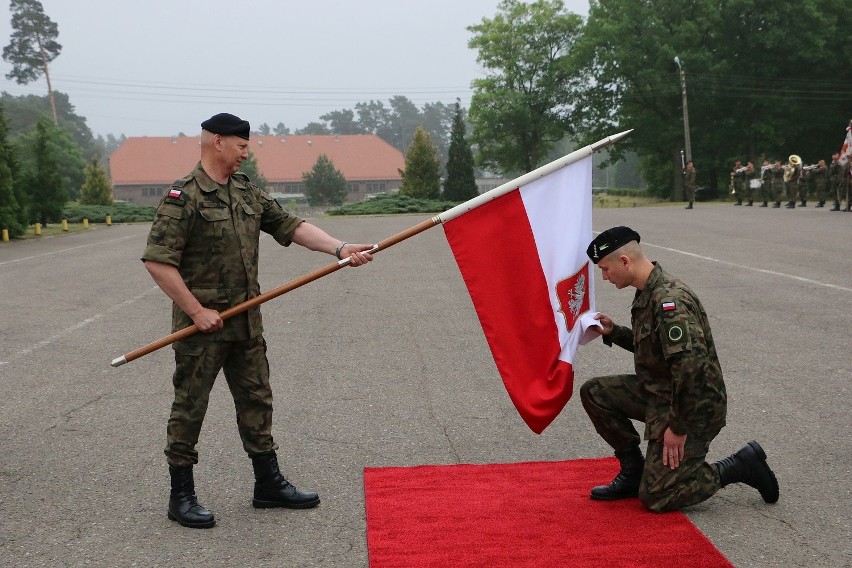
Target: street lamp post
685, 111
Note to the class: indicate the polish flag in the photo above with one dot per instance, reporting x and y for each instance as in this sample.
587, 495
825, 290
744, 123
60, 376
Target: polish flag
846, 149
523, 258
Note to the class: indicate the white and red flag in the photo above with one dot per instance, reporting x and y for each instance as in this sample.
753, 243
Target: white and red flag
846, 149
523, 257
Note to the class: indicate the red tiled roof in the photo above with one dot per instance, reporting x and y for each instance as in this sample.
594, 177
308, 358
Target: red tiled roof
161, 160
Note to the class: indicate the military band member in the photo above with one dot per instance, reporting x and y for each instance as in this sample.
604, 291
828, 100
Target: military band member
834, 171
792, 174
777, 183
818, 176
676, 389
749, 176
766, 182
738, 181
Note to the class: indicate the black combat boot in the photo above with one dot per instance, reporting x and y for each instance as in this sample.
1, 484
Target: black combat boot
689, 206
183, 504
777, 205
750, 203
272, 490
803, 203
739, 202
820, 204
626, 483
791, 205
836, 206
749, 466
765, 204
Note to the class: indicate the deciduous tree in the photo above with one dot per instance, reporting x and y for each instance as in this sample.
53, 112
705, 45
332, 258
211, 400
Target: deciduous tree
523, 106
12, 211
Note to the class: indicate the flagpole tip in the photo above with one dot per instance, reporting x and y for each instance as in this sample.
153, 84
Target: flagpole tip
610, 140
119, 361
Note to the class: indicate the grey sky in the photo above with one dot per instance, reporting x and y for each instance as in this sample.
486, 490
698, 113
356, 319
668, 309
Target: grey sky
159, 67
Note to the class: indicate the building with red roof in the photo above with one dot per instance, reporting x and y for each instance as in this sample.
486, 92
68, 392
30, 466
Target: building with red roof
142, 167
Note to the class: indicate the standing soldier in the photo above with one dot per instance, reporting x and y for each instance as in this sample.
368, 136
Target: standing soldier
777, 183
819, 176
689, 183
834, 172
749, 178
738, 181
766, 183
792, 173
845, 184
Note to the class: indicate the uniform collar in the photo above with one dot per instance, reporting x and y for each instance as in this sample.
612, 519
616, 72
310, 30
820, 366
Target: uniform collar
643, 296
208, 184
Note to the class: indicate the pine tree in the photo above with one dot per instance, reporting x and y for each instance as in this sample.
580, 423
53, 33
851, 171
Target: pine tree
461, 182
33, 45
422, 175
42, 179
324, 184
12, 214
96, 190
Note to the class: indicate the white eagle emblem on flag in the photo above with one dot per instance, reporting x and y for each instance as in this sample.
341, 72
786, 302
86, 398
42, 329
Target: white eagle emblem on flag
573, 294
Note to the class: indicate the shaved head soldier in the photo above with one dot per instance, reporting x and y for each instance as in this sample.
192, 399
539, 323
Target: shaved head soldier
677, 390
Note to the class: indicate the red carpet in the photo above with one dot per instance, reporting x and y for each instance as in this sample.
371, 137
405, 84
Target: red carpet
520, 515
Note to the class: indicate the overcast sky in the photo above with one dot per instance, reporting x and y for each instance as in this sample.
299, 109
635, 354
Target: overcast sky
160, 67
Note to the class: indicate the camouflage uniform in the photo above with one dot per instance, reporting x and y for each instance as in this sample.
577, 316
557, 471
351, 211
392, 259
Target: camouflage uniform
777, 183
766, 183
678, 384
210, 233
819, 175
689, 184
834, 181
740, 185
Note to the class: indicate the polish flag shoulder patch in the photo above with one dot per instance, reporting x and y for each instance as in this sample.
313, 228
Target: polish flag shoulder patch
175, 193
668, 306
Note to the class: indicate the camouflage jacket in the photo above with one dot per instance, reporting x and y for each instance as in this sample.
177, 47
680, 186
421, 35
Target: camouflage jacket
689, 180
675, 359
211, 234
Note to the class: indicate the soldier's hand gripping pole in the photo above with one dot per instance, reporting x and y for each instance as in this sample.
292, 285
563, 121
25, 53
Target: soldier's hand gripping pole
274, 293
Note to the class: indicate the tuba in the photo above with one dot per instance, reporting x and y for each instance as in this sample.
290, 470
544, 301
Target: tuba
794, 162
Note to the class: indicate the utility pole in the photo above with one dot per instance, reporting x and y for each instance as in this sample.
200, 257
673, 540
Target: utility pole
685, 111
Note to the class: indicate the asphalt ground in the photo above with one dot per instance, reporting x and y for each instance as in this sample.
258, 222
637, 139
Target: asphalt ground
387, 365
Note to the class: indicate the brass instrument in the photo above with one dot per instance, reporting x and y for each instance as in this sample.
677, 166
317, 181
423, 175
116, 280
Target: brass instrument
810, 167
733, 173
794, 162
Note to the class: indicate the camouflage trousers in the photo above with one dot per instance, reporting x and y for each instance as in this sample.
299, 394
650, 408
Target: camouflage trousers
611, 403
198, 362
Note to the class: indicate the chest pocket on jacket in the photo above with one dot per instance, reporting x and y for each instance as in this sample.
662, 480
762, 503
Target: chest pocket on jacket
216, 220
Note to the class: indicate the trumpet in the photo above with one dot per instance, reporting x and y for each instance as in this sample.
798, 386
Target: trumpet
764, 168
740, 170
810, 167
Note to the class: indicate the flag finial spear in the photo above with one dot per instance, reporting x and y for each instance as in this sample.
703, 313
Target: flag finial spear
610, 140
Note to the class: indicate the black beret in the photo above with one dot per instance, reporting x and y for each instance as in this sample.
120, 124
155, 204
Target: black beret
227, 125
609, 241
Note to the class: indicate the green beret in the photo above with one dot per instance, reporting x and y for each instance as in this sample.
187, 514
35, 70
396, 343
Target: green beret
226, 124
609, 241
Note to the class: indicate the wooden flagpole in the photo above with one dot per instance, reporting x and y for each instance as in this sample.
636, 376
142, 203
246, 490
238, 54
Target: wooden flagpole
410, 232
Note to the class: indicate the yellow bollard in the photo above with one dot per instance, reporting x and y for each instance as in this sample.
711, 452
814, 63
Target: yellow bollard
37, 229
85, 223
5, 235
65, 225
109, 220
